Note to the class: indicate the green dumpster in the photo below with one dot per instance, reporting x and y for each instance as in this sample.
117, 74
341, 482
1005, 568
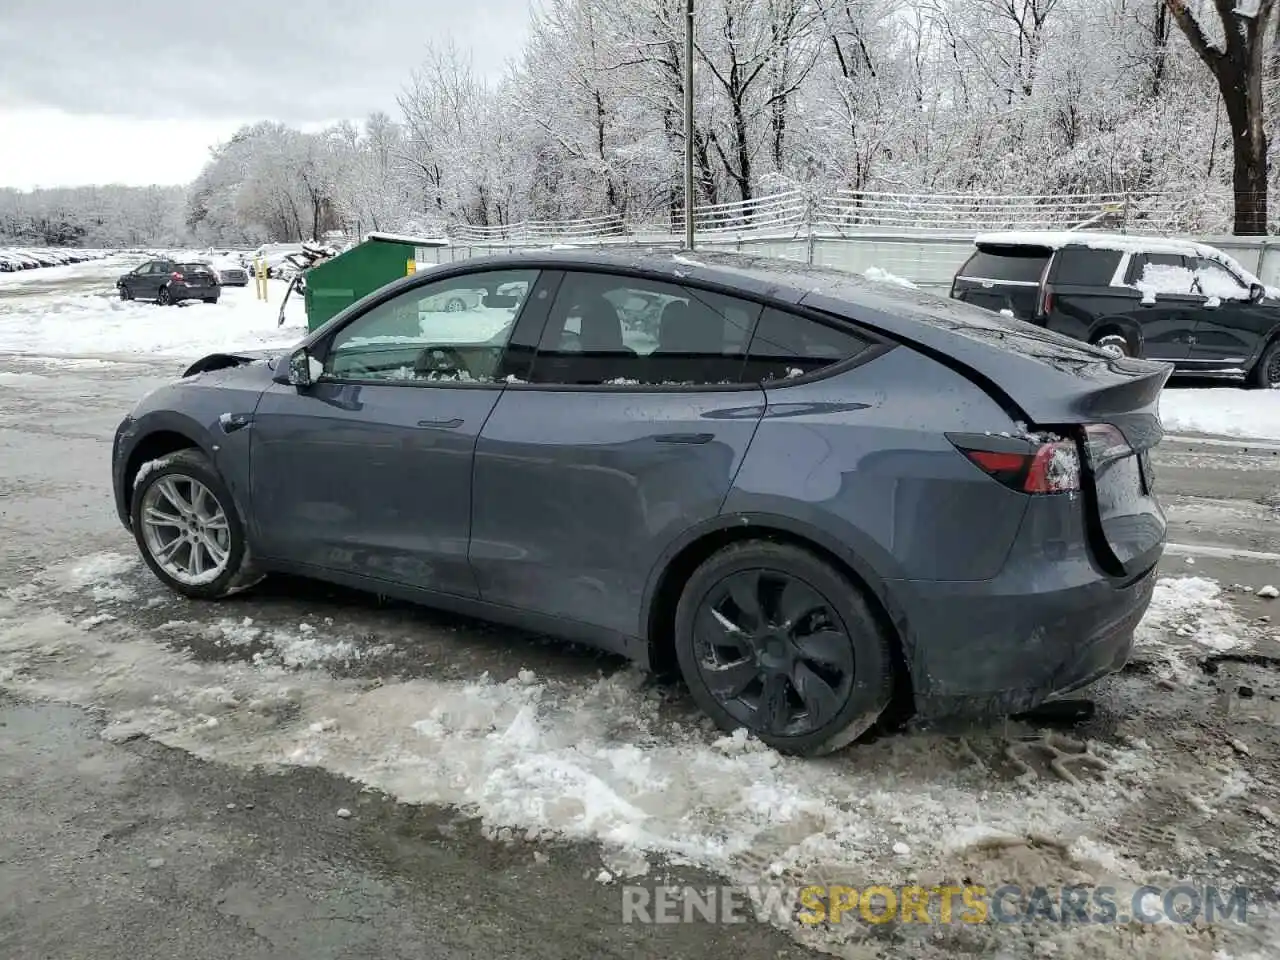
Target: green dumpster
380, 258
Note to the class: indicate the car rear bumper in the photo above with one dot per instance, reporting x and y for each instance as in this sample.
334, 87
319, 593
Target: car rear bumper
1049, 623
983, 652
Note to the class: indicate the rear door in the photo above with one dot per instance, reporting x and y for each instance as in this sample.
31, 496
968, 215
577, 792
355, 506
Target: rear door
1003, 278
145, 283
618, 445
1169, 309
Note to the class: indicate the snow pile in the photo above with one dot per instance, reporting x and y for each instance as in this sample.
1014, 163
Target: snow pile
1253, 414
100, 323
614, 759
884, 276
1187, 613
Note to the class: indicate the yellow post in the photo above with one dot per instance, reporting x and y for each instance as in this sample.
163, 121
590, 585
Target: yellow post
260, 276
410, 267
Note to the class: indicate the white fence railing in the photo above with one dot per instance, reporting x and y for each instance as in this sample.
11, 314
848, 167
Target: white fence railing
928, 259
797, 213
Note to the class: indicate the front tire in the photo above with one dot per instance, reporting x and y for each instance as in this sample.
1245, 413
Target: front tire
772, 639
1266, 372
188, 529
125, 293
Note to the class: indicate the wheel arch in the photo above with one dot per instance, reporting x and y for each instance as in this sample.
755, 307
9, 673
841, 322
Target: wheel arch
158, 435
682, 557
1126, 327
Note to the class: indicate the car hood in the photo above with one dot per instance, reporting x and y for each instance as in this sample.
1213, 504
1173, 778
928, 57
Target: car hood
225, 361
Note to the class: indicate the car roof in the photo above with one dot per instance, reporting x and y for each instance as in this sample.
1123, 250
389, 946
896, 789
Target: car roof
889, 305
1097, 240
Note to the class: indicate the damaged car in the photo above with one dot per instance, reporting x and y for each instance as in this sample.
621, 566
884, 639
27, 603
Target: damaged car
822, 500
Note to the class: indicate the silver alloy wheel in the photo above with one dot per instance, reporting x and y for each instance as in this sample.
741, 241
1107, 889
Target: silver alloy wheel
185, 529
1113, 345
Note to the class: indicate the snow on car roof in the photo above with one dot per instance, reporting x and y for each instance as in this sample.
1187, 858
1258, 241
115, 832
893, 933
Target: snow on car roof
1057, 239
1122, 242
401, 238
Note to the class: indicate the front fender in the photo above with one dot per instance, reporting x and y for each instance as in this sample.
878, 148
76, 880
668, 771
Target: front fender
228, 452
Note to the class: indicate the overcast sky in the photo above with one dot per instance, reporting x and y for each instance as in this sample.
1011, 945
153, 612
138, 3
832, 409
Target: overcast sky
136, 91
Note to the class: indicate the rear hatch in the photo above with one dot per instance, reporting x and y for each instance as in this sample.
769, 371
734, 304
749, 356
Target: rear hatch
1003, 277
1049, 383
197, 274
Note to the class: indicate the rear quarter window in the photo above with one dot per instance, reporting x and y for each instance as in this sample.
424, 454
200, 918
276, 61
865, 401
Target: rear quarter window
786, 346
1084, 267
1007, 264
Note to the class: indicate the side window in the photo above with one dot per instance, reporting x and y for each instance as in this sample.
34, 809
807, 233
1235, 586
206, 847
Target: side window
786, 346
1215, 280
453, 330
1160, 273
607, 329
1081, 266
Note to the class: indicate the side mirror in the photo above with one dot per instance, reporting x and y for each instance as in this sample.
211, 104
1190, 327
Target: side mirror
301, 370
1256, 292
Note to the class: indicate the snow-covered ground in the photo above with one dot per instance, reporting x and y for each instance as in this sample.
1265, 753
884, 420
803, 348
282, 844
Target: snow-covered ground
616, 760
78, 313
1228, 411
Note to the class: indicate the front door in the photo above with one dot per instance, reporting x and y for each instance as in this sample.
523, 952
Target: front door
368, 471
630, 432
1230, 328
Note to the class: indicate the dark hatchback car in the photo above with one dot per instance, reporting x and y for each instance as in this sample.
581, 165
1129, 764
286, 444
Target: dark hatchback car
169, 282
1174, 301
813, 493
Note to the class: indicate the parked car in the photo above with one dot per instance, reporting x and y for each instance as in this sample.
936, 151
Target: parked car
454, 301
231, 274
170, 282
821, 497
1175, 301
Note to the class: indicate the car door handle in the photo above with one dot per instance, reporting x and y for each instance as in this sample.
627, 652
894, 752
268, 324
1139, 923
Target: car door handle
440, 424
685, 437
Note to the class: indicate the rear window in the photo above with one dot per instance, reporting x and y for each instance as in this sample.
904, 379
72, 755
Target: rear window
1080, 265
194, 268
1008, 264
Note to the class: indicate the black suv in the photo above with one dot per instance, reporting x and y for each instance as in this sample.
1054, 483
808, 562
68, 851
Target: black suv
1171, 300
167, 282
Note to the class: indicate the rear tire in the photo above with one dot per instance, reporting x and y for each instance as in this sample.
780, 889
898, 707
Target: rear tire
163, 297
181, 508
1115, 344
810, 644
1265, 374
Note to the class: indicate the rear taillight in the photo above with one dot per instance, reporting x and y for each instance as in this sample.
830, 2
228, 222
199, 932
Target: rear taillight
175, 276
1042, 467
1103, 443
